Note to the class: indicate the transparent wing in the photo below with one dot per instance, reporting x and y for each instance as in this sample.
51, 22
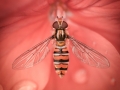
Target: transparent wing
88, 55
32, 56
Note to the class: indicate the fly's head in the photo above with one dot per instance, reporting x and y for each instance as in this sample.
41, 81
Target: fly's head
60, 24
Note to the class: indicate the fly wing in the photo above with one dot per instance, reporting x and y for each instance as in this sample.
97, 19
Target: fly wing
88, 55
32, 56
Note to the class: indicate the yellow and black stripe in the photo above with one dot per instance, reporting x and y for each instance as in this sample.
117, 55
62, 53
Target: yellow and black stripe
61, 60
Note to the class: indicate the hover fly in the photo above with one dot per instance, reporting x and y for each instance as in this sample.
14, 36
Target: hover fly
60, 54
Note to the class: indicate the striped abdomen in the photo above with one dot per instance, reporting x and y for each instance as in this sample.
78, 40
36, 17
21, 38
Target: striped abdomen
61, 60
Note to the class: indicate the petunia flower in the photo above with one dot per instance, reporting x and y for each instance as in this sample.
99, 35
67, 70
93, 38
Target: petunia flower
23, 24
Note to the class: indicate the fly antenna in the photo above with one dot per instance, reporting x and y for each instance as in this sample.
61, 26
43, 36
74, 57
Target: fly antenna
60, 21
60, 18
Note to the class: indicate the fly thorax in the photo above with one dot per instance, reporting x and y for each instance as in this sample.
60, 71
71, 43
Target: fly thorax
60, 35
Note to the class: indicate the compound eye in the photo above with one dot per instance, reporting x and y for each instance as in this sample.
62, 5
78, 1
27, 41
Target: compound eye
55, 25
63, 26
